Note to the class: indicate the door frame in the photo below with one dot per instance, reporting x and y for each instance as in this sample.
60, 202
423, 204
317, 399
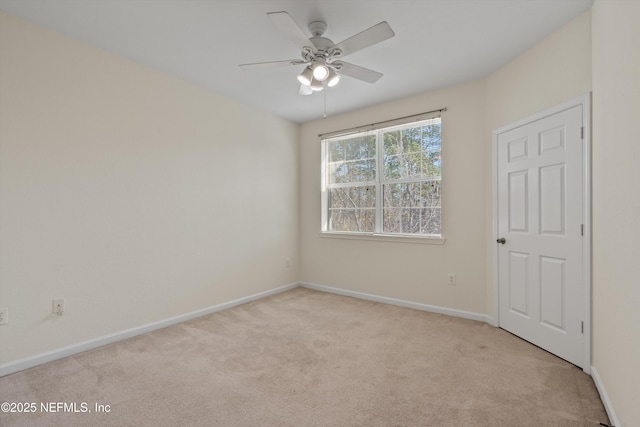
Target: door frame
585, 102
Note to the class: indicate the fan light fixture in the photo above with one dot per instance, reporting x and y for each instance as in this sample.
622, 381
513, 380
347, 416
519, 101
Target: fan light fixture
316, 85
317, 73
333, 78
305, 90
313, 76
306, 76
320, 72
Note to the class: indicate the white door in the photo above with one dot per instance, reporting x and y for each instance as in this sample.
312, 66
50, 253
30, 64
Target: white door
540, 217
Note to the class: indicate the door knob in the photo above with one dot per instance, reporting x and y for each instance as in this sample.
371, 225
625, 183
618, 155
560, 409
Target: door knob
501, 240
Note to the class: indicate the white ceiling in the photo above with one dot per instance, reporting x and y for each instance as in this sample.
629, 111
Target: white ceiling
437, 43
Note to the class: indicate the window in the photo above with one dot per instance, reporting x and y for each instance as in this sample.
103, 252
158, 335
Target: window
386, 181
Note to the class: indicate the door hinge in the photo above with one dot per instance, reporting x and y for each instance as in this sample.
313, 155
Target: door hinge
582, 327
582, 229
582, 132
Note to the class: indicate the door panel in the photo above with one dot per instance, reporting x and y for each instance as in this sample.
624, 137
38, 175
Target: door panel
518, 149
540, 212
552, 139
518, 196
519, 283
552, 290
552, 203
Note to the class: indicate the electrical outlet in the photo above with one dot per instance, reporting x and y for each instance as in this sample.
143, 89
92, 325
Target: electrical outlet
58, 306
4, 316
287, 263
452, 279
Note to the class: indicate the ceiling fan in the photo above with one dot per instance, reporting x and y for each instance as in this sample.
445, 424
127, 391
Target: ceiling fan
322, 57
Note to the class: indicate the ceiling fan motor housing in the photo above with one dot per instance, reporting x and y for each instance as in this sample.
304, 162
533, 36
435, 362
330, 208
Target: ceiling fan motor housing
323, 44
317, 28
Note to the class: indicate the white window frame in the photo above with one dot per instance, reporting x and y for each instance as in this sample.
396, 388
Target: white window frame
379, 182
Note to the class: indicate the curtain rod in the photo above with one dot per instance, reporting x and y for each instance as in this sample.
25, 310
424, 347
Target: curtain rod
373, 125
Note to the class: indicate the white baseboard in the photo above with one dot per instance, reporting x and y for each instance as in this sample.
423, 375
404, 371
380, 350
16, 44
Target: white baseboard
402, 303
613, 418
30, 362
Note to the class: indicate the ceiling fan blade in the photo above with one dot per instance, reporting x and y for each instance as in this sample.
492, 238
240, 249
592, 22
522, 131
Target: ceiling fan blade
379, 32
271, 64
288, 26
357, 72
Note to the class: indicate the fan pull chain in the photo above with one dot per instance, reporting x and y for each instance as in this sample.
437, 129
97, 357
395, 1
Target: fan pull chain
324, 116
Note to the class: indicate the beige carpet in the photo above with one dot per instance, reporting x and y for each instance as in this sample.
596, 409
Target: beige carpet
308, 358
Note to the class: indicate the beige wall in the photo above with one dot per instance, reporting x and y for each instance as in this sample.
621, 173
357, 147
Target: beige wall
616, 204
553, 71
131, 194
409, 271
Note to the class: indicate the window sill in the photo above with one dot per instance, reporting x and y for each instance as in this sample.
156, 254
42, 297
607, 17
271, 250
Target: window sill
398, 238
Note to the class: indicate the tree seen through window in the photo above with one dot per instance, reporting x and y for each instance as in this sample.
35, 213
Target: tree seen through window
403, 198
